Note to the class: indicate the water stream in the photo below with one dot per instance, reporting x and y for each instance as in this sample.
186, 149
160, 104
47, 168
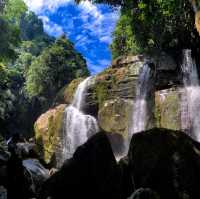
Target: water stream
140, 113
192, 95
77, 126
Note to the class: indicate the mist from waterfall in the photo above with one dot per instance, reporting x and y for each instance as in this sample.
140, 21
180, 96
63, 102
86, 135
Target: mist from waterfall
77, 126
140, 113
192, 91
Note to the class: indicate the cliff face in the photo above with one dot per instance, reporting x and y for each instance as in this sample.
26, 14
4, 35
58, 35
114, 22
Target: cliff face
115, 93
112, 95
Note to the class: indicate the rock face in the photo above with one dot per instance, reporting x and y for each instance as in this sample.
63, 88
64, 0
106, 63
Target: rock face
111, 98
166, 161
47, 129
115, 90
161, 163
168, 108
91, 173
114, 116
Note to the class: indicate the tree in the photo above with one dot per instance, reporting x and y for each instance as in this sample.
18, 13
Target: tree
13, 10
31, 26
9, 38
2, 5
124, 42
55, 67
9, 29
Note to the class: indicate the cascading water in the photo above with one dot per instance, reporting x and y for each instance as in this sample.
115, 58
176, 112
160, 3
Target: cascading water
140, 113
77, 126
192, 91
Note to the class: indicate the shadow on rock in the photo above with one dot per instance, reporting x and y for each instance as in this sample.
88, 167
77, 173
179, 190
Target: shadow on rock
91, 173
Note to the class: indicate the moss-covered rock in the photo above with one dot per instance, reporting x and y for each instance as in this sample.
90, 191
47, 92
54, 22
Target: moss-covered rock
65, 95
168, 109
117, 81
47, 133
114, 116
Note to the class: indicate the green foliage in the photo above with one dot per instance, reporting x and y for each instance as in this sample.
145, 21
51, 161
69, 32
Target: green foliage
149, 25
6, 96
9, 38
124, 42
101, 92
32, 27
166, 24
2, 5
55, 67
14, 9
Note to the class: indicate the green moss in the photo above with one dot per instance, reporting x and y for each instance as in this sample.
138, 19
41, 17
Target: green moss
101, 92
48, 138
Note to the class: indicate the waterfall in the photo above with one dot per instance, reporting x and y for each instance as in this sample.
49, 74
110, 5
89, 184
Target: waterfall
192, 93
140, 113
77, 126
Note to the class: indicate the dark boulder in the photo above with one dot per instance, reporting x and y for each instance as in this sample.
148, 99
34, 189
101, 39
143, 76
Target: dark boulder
91, 173
167, 162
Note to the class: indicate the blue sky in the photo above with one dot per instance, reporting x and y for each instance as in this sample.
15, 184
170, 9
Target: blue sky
89, 26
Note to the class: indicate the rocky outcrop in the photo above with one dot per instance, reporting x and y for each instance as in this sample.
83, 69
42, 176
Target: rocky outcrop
91, 173
47, 133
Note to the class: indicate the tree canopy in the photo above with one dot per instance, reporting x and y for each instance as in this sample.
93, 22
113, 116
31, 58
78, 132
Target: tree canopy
55, 67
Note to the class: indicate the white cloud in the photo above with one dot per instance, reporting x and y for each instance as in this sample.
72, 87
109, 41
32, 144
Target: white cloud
99, 24
104, 62
106, 39
90, 9
50, 27
40, 5
94, 68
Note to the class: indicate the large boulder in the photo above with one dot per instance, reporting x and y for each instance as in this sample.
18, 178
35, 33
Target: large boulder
91, 173
47, 132
166, 161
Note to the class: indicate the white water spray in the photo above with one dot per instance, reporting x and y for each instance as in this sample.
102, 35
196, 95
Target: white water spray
77, 127
140, 113
192, 90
